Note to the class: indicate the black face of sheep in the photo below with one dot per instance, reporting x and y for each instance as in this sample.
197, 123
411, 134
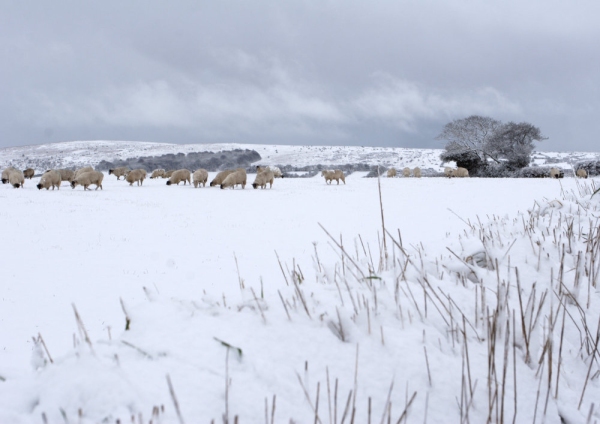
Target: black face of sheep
110, 171
73, 184
39, 186
254, 185
168, 182
16, 185
4, 180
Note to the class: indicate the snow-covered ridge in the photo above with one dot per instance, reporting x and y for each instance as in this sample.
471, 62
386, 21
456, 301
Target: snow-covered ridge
76, 153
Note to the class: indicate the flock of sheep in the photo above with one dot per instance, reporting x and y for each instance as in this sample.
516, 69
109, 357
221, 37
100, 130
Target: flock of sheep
225, 179
87, 176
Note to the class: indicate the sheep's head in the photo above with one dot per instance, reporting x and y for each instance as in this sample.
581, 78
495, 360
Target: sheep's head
73, 184
169, 182
254, 185
17, 185
4, 180
40, 186
110, 171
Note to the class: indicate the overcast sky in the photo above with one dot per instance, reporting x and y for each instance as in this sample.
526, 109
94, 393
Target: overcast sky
379, 73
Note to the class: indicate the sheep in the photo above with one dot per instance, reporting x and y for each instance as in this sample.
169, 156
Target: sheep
81, 171
218, 180
391, 173
88, 178
16, 178
448, 171
157, 173
406, 172
235, 178
460, 172
333, 175
119, 172
50, 178
29, 173
65, 174
137, 175
6, 173
554, 173
200, 177
276, 171
582, 173
262, 178
179, 176
417, 172
168, 173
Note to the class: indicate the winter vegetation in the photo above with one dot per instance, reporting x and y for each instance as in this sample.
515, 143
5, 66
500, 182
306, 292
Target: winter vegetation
357, 308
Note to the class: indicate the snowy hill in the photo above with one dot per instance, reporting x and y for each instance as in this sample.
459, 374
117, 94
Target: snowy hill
81, 153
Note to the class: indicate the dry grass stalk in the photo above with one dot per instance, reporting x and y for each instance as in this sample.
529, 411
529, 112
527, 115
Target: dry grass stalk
174, 399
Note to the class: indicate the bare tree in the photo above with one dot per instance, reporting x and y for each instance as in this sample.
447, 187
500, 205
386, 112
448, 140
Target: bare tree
478, 142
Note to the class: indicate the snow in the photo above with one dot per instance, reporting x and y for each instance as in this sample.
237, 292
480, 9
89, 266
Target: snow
194, 267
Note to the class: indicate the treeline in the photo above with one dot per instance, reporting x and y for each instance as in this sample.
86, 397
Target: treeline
211, 161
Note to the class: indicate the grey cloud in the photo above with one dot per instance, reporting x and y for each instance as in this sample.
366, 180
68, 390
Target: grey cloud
333, 72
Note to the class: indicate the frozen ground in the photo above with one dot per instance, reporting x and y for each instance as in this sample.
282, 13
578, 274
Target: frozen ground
169, 253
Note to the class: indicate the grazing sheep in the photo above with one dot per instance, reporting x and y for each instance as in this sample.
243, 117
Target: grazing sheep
417, 172
119, 172
406, 172
179, 176
157, 173
137, 175
66, 175
235, 178
448, 171
29, 173
582, 173
87, 178
218, 180
264, 177
200, 177
460, 172
391, 173
333, 175
276, 171
554, 173
6, 173
50, 178
168, 173
16, 178
81, 171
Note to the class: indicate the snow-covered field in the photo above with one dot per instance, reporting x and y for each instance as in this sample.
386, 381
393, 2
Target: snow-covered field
326, 327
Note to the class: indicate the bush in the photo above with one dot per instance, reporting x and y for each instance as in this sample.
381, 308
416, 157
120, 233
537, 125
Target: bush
592, 167
533, 172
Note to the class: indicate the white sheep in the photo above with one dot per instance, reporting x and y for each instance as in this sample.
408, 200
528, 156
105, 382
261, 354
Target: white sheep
448, 171
218, 180
391, 173
81, 171
460, 172
417, 172
406, 172
6, 173
119, 172
157, 173
264, 177
168, 173
50, 178
16, 178
554, 173
87, 178
200, 177
582, 173
235, 178
179, 176
137, 175
277, 172
29, 173
66, 175
333, 175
